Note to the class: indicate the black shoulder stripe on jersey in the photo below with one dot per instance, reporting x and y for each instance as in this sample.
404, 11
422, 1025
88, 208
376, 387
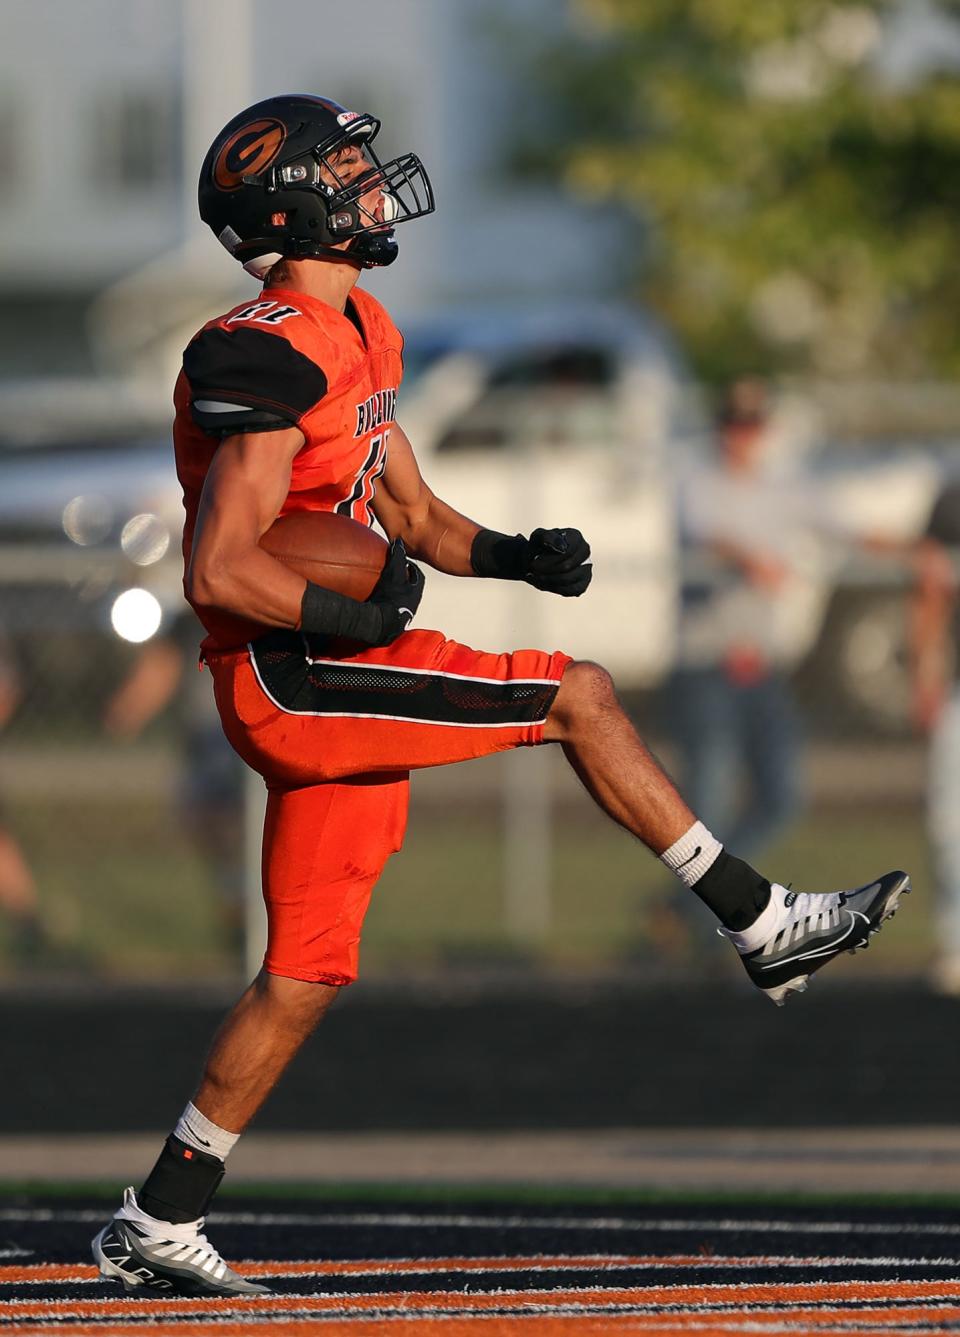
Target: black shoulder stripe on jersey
256, 372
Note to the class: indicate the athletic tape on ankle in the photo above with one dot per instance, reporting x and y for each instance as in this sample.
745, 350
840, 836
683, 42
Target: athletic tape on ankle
181, 1185
691, 855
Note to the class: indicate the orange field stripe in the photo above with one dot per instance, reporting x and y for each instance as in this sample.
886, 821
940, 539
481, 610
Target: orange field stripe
403, 1266
582, 1325
824, 1317
584, 1298
37, 1272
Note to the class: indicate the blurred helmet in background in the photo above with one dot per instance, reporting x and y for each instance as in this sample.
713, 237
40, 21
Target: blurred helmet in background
270, 186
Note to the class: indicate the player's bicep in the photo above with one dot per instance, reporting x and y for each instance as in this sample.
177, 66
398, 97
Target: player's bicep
245, 487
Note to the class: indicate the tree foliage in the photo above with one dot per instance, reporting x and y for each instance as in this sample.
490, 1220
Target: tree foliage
800, 205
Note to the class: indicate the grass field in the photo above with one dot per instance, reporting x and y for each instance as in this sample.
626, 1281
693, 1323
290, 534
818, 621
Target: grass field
126, 894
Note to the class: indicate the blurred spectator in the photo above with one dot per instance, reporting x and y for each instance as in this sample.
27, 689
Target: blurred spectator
756, 530
934, 660
18, 892
732, 710
210, 797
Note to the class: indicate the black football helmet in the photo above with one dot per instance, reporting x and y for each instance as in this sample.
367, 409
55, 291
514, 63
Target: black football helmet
264, 195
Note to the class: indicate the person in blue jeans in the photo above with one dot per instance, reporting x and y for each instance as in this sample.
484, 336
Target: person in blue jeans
759, 536
737, 729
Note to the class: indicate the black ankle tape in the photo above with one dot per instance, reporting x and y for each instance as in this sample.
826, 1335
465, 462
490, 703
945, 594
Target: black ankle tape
181, 1185
735, 892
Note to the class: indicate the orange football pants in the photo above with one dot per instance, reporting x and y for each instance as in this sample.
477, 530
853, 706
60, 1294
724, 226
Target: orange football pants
335, 737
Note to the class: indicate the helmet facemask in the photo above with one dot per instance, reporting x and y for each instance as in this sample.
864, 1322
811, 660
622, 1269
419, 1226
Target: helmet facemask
404, 192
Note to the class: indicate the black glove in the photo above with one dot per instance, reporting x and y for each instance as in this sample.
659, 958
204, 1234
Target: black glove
397, 593
550, 559
377, 620
557, 561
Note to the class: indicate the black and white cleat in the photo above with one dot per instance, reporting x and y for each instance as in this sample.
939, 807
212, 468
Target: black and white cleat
158, 1258
800, 932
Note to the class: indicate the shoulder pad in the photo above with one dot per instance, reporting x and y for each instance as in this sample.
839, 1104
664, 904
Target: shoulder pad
246, 380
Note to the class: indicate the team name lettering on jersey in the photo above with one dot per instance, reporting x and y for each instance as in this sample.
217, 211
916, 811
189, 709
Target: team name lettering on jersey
375, 411
264, 313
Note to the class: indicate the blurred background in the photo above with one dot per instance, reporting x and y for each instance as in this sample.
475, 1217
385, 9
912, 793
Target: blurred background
691, 286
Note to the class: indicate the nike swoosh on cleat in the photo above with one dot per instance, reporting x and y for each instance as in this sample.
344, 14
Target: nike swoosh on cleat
825, 950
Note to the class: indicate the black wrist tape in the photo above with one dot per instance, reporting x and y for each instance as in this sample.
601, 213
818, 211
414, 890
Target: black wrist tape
499, 555
181, 1185
327, 613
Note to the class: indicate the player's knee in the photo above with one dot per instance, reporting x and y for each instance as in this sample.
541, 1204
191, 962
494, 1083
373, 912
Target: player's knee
300, 1003
586, 691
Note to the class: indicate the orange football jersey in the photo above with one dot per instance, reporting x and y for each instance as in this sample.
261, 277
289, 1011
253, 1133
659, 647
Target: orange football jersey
289, 360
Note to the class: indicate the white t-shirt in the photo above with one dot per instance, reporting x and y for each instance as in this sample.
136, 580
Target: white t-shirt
791, 519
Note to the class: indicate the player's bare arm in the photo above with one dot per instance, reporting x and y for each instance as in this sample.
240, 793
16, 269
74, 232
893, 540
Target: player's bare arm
243, 493
555, 560
408, 509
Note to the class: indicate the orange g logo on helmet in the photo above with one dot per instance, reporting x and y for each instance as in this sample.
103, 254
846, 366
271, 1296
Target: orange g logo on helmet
248, 151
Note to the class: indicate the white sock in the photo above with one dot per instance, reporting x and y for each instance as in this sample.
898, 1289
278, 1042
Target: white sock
691, 855
203, 1134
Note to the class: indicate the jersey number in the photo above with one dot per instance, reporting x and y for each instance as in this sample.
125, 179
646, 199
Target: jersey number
264, 313
357, 504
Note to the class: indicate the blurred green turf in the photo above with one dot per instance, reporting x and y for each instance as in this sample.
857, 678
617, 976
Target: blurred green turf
125, 893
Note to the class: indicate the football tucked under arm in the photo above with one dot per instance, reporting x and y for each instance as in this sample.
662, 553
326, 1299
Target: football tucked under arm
376, 621
358, 587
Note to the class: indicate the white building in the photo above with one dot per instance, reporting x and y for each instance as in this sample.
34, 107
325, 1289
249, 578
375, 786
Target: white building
106, 109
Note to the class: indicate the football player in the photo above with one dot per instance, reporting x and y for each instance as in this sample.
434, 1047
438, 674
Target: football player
286, 403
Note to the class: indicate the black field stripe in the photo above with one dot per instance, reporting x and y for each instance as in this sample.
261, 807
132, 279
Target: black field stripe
303, 687
551, 1279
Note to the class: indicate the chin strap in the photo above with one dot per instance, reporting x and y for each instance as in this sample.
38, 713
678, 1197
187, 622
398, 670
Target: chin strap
261, 265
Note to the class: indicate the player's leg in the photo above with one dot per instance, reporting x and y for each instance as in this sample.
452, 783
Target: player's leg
307, 715
324, 848
781, 935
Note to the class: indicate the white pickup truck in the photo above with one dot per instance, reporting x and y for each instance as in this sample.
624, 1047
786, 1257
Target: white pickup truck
558, 415
541, 416
567, 414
